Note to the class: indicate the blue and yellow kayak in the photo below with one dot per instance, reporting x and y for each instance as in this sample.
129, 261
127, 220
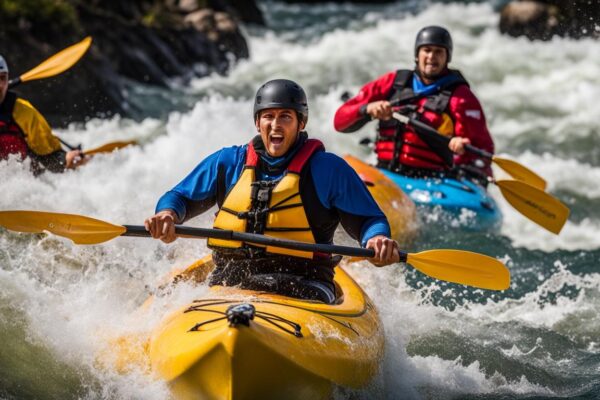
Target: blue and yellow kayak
468, 203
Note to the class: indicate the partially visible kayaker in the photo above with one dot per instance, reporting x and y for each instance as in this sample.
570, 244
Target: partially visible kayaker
26, 133
284, 185
436, 95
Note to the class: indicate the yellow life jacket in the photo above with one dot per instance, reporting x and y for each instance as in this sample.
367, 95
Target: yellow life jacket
34, 126
24, 129
273, 208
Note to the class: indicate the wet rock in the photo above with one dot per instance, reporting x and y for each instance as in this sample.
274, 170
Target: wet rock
542, 19
188, 6
203, 21
529, 18
225, 23
246, 11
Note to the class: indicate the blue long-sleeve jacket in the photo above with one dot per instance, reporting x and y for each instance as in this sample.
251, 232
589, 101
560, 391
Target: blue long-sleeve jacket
338, 188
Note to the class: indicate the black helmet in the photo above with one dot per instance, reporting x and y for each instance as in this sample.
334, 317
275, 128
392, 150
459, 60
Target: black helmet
434, 35
282, 93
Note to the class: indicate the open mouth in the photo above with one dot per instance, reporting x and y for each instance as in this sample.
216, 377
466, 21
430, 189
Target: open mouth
276, 139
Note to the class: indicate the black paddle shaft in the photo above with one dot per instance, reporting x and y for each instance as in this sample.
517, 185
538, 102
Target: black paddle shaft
434, 134
140, 231
14, 82
70, 147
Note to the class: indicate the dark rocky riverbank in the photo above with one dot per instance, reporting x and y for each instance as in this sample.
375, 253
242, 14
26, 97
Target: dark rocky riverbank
165, 42
151, 42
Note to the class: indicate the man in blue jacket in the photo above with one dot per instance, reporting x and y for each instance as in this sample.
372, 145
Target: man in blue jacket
282, 184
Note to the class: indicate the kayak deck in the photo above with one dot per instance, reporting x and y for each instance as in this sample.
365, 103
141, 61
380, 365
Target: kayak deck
291, 348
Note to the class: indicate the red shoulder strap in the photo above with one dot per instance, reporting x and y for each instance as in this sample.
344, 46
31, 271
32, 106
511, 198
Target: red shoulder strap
310, 147
251, 156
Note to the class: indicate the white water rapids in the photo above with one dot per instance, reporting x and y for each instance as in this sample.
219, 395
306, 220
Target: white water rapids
62, 301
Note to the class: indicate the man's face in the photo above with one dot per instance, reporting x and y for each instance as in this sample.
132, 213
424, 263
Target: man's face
278, 129
3, 85
432, 61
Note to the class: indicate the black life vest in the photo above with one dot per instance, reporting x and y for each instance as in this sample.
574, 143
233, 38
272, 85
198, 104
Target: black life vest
398, 147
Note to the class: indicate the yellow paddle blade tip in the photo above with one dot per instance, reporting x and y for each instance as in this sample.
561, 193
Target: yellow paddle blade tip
78, 228
59, 62
463, 267
109, 147
535, 204
520, 172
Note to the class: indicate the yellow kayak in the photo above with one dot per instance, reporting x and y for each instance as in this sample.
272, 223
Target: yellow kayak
399, 209
243, 344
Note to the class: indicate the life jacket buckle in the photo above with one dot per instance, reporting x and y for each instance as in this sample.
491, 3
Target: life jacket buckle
261, 191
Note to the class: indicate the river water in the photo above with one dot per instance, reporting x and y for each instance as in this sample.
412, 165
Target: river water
60, 303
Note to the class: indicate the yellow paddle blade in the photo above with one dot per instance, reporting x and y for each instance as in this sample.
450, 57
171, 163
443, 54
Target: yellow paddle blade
520, 172
59, 62
535, 204
464, 267
80, 229
109, 147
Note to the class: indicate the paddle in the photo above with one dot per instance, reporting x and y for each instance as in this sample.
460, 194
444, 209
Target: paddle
58, 63
513, 168
105, 148
535, 204
69, 146
456, 266
529, 200
109, 147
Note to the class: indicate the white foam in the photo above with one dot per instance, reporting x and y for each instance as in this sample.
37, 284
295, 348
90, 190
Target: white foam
572, 175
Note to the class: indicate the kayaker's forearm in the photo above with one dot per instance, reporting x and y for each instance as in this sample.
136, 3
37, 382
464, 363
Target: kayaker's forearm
470, 123
195, 208
372, 227
362, 228
355, 125
173, 201
185, 208
352, 115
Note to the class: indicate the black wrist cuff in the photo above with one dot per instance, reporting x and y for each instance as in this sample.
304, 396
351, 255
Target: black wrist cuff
363, 110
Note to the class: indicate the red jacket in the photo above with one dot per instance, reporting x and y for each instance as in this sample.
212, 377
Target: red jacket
463, 108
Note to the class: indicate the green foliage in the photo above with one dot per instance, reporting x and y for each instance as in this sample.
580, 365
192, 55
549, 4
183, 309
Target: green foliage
39, 15
157, 15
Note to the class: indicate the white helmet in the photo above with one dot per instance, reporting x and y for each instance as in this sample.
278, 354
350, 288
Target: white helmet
3, 65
